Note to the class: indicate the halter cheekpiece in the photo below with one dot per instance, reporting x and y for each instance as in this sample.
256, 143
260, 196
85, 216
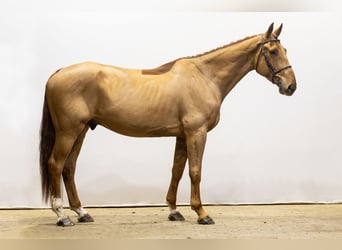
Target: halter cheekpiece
268, 63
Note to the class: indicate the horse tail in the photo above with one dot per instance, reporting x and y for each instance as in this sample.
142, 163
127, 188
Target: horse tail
47, 141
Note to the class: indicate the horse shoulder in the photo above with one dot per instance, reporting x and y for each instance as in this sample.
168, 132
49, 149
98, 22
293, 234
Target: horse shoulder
200, 105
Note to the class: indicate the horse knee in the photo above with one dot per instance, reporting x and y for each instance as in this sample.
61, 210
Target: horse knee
195, 176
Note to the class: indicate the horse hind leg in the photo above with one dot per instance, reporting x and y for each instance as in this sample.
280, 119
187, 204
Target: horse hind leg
61, 150
69, 179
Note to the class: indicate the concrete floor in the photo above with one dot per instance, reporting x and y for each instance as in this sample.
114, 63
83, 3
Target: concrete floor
232, 222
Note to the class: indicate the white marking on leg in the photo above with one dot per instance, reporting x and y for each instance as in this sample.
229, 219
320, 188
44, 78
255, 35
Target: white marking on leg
57, 207
80, 211
173, 211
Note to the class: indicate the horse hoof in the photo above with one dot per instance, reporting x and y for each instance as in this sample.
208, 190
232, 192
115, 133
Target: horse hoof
65, 222
176, 217
206, 221
86, 218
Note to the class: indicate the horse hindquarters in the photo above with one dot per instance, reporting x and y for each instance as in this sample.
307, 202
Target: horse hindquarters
59, 150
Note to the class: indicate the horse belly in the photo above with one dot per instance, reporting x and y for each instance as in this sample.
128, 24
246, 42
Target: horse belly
140, 126
141, 118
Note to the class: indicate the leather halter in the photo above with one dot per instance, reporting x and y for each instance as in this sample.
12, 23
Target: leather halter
268, 63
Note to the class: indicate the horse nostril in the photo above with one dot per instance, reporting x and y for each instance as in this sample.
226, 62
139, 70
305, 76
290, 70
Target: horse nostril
291, 88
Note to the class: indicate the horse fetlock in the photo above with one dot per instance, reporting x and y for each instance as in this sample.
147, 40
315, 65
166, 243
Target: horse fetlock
199, 211
83, 215
171, 202
80, 211
196, 205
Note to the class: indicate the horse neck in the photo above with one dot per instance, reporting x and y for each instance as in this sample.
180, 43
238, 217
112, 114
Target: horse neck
226, 66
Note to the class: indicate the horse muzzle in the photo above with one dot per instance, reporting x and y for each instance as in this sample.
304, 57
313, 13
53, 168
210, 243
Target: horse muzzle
287, 90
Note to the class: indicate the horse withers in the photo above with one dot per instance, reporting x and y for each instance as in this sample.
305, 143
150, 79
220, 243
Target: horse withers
181, 98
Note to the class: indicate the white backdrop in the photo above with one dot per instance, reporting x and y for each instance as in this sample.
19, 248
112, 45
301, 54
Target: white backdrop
267, 148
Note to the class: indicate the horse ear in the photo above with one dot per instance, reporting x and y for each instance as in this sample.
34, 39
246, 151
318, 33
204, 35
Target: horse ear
269, 31
278, 31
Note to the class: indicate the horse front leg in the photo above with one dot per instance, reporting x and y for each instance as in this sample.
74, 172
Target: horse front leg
195, 141
179, 161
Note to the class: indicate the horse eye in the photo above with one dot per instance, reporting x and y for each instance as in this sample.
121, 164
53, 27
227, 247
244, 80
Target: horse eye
274, 52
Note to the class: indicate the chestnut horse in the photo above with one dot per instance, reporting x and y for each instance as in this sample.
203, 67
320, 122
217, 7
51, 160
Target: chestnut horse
181, 98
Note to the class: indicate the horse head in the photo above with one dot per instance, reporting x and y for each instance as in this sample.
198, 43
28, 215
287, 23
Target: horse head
271, 62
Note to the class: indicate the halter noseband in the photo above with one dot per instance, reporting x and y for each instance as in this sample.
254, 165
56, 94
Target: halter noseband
268, 63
